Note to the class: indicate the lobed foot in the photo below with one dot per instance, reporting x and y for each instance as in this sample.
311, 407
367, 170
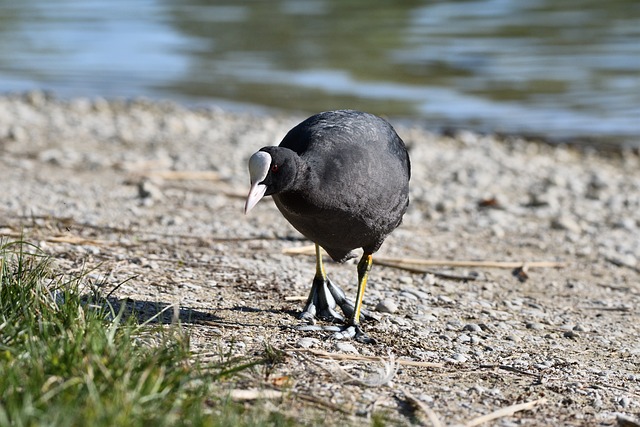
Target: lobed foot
324, 298
354, 332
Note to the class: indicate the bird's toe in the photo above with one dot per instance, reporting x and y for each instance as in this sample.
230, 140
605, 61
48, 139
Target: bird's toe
308, 316
354, 332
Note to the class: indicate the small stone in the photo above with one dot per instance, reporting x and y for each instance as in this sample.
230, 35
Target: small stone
565, 222
307, 342
513, 338
464, 338
406, 280
17, 133
544, 365
459, 357
346, 347
418, 294
425, 318
625, 223
446, 299
535, 326
309, 328
624, 401
477, 388
147, 190
387, 305
570, 334
425, 398
472, 327
408, 295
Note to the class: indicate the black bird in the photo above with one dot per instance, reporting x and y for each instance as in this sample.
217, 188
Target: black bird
341, 178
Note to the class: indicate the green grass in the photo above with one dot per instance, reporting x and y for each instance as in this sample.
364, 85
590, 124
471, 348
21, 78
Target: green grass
68, 358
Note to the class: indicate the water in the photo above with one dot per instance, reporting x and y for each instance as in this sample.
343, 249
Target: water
564, 70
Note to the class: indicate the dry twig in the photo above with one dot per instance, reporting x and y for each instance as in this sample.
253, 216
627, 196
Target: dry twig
407, 263
472, 264
505, 412
341, 356
422, 270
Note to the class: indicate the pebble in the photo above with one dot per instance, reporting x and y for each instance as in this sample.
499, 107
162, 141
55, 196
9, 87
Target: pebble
535, 326
477, 388
544, 365
472, 327
408, 295
565, 222
387, 305
464, 338
626, 223
308, 342
419, 294
445, 299
423, 317
426, 398
406, 280
346, 347
17, 133
580, 328
459, 358
624, 401
430, 279
148, 190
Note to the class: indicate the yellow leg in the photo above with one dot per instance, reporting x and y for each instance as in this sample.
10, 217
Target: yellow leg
319, 267
324, 297
364, 266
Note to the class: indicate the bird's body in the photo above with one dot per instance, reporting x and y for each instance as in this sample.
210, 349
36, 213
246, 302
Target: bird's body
359, 169
341, 178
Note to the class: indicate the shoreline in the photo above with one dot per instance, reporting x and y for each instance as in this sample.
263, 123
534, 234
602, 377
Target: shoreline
605, 145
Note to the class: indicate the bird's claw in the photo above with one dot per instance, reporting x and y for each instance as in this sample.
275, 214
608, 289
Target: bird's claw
323, 300
354, 332
322, 303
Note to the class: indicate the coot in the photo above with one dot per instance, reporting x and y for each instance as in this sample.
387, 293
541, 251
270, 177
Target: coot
341, 178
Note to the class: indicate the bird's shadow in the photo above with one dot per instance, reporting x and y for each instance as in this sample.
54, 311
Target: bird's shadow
154, 312
151, 312
244, 308
295, 314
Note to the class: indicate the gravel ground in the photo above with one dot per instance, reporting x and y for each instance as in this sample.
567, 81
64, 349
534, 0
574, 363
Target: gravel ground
149, 196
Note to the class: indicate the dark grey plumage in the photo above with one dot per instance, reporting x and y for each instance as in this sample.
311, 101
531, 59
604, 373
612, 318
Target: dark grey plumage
341, 178
353, 185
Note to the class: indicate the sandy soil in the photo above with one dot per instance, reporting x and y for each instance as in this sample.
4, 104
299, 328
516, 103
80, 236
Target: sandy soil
148, 197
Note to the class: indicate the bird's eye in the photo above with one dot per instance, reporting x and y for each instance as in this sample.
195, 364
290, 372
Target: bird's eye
274, 168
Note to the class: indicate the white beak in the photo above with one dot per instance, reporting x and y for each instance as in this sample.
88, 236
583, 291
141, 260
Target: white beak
259, 165
255, 194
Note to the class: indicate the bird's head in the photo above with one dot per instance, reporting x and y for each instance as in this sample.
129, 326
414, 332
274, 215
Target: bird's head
271, 170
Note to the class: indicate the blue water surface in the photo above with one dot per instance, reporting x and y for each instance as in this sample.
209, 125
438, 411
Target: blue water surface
565, 70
